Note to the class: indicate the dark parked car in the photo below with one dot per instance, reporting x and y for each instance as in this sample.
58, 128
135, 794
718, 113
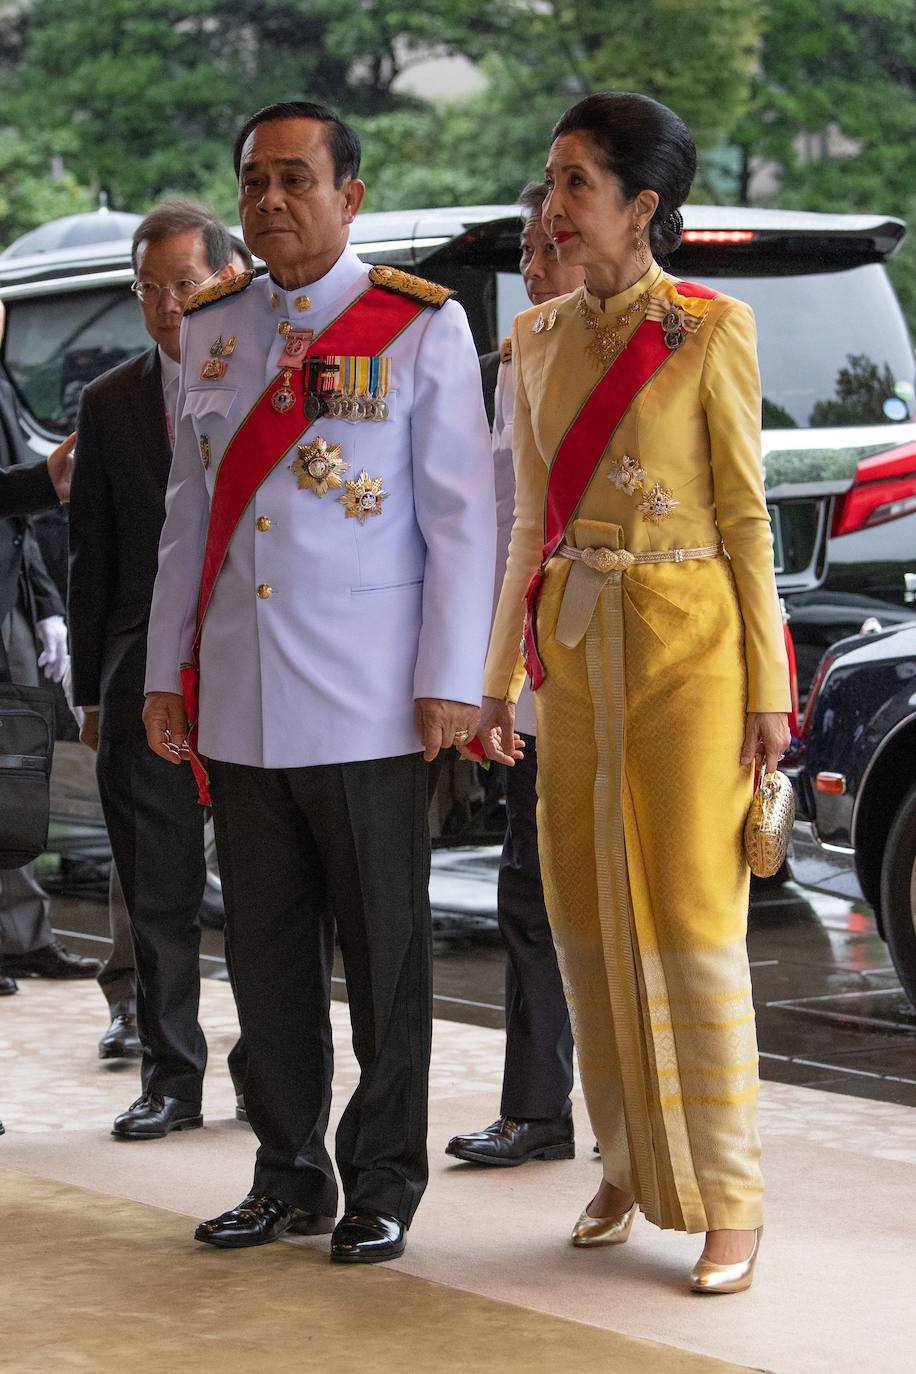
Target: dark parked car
854, 773
836, 360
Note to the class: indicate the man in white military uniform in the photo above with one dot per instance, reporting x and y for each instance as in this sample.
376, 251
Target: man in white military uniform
332, 455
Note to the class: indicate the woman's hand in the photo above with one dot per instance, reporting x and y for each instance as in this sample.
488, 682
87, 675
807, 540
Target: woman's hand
766, 736
496, 731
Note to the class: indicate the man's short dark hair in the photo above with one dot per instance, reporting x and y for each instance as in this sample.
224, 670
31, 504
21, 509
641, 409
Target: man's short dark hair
240, 247
343, 140
532, 200
184, 217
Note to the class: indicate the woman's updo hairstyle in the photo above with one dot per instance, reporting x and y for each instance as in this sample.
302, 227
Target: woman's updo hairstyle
647, 147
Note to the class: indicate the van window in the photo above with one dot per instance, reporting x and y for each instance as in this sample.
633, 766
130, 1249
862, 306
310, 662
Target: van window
56, 344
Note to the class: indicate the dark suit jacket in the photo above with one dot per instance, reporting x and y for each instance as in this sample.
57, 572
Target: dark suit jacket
23, 490
117, 508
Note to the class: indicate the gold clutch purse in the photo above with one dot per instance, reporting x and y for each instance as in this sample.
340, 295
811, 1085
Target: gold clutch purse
768, 827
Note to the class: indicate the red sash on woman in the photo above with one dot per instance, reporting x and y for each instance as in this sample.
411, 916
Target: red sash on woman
583, 445
367, 327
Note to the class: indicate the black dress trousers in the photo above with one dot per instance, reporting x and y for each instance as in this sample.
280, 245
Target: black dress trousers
538, 1074
302, 850
156, 830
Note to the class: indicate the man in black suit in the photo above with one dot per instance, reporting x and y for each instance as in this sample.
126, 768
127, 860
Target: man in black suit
125, 427
29, 604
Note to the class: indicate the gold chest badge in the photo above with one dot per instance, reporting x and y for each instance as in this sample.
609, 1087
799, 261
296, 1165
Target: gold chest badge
363, 497
319, 467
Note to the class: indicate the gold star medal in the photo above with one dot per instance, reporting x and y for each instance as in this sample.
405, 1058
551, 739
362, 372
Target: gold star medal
319, 467
657, 505
363, 497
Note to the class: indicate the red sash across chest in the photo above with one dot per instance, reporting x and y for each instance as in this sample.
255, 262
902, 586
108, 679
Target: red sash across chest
582, 448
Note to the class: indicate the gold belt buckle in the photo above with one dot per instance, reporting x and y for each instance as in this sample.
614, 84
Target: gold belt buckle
608, 560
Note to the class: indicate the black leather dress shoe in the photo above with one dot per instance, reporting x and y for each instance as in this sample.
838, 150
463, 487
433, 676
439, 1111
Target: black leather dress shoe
258, 1221
51, 961
7, 986
509, 1142
154, 1116
121, 1040
367, 1238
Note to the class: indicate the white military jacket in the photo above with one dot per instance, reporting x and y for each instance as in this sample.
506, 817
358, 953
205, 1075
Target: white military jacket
322, 630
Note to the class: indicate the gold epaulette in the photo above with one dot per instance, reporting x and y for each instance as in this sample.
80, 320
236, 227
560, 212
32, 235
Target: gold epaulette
505, 352
218, 290
405, 284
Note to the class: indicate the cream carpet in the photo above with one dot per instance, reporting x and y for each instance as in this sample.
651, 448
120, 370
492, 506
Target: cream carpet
833, 1290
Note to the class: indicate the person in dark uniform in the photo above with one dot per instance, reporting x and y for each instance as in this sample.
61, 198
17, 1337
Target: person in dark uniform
31, 614
535, 1115
126, 420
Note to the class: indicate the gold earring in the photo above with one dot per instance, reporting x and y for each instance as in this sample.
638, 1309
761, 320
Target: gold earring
640, 247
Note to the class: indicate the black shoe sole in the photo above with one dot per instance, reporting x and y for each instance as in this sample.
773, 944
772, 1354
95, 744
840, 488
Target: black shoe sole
549, 1152
355, 1257
241, 1115
191, 1123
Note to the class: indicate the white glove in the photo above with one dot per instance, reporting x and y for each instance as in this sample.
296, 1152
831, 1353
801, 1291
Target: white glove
54, 658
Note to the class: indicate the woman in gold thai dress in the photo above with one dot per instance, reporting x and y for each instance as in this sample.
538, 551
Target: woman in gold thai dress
665, 677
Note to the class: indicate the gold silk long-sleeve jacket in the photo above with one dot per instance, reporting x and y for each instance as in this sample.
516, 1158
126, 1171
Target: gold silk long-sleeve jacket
694, 428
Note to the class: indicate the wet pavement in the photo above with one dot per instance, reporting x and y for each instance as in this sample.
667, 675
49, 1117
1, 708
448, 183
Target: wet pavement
830, 1010
831, 1013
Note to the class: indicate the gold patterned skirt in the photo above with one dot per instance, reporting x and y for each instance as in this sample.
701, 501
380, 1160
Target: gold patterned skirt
640, 816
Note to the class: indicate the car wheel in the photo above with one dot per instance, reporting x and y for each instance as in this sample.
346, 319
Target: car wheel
212, 914
898, 893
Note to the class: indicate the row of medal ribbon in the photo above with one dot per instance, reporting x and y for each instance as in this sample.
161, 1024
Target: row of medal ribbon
339, 386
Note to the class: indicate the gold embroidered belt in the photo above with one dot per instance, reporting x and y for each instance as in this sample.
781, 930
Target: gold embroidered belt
596, 566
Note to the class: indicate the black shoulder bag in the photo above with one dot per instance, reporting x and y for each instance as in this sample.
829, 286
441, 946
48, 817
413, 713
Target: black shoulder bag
26, 747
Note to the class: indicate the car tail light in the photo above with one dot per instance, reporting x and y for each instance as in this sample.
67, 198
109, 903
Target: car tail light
718, 236
884, 488
834, 784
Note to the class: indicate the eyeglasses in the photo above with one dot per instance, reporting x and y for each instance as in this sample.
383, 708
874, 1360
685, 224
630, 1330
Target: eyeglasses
181, 291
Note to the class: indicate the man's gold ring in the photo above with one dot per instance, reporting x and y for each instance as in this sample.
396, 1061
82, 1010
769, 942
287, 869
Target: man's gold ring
462, 736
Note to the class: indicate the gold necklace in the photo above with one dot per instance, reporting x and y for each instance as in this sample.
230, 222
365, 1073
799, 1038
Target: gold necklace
607, 345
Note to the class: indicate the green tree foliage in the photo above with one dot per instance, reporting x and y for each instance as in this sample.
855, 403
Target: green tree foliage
28, 194
834, 106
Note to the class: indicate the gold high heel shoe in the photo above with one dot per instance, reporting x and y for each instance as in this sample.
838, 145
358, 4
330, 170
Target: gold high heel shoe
603, 1230
707, 1277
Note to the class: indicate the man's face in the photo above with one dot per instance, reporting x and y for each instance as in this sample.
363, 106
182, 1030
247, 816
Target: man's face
293, 216
179, 262
543, 274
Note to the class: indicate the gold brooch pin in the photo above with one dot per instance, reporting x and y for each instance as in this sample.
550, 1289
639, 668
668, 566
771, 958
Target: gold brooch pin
363, 497
657, 505
213, 369
627, 475
319, 466
220, 349
539, 325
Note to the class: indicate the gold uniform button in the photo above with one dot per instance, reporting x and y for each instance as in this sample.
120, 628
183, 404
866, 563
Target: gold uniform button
303, 302
263, 523
265, 590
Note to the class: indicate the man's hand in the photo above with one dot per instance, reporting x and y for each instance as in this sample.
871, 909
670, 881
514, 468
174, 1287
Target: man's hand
60, 468
438, 722
496, 732
89, 730
54, 659
166, 726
